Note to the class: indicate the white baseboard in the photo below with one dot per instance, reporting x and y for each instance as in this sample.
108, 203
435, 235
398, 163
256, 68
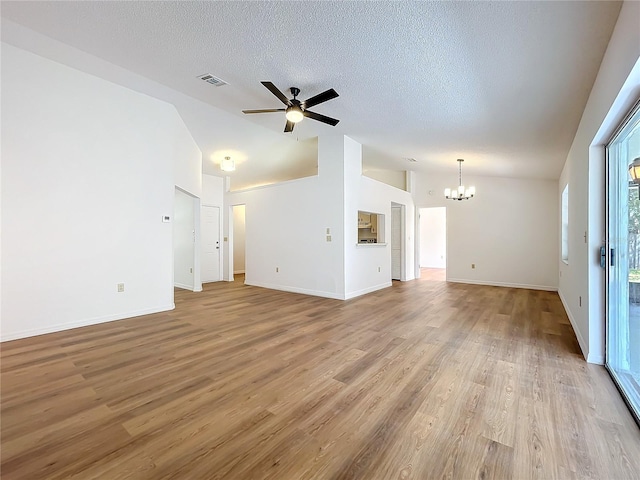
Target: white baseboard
320, 293
547, 288
364, 291
184, 286
596, 359
583, 345
305, 291
82, 323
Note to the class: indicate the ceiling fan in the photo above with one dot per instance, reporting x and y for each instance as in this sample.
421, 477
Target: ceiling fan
297, 110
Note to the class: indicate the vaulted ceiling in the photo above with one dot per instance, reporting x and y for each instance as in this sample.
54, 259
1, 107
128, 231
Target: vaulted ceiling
501, 84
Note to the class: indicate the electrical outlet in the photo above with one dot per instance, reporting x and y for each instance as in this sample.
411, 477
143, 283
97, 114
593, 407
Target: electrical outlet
473, 265
328, 238
378, 269
277, 269
120, 287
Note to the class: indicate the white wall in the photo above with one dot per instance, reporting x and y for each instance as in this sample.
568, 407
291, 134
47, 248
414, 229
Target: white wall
187, 160
286, 228
239, 239
217, 133
285, 231
433, 237
509, 230
286, 225
616, 87
363, 261
212, 190
87, 175
187, 176
395, 178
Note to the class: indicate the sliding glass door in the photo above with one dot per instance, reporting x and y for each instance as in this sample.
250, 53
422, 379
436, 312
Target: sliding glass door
622, 261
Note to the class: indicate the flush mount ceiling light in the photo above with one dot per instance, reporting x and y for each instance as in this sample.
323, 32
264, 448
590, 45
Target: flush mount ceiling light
461, 193
227, 165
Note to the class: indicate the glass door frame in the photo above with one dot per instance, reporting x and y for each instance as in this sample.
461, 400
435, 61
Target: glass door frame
613, 259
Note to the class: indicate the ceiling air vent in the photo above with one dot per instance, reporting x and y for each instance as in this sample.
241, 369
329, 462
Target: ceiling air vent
215, 81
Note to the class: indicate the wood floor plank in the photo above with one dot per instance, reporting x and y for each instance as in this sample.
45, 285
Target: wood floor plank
424, 379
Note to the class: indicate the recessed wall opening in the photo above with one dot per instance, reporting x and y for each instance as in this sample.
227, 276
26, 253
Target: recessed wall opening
370, 227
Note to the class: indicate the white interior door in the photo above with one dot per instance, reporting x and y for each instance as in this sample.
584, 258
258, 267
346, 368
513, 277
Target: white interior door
396, 243
210, 243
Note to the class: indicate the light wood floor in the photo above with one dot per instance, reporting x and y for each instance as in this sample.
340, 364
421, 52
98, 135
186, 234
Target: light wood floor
422, 380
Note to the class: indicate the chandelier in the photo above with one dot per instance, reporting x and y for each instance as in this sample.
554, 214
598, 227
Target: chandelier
460, 193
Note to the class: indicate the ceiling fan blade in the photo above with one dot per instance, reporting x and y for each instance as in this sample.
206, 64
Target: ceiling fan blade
273, 89
289, 127
320, 118
266, 110
320, 98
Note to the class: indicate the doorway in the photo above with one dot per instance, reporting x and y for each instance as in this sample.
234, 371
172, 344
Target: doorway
239, 240
433, 238
184, 240
621, 258
210, 243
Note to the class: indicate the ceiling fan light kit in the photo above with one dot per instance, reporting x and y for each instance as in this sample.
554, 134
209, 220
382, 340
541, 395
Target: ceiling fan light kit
460, 193
294, 114
297, 110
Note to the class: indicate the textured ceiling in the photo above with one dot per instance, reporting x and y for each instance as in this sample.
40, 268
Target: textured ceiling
501, 84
